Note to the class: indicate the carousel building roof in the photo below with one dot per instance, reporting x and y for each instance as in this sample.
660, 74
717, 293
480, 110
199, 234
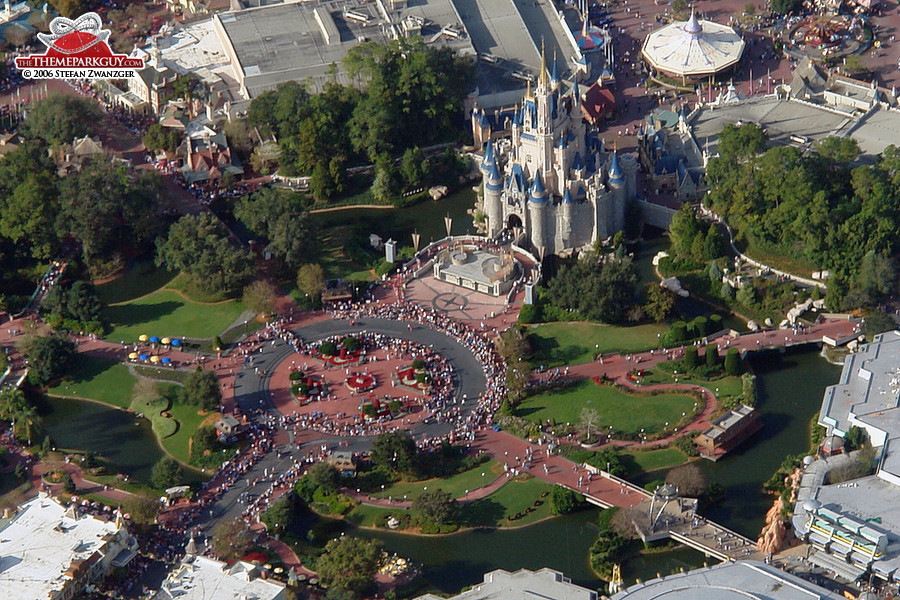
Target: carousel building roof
693, 48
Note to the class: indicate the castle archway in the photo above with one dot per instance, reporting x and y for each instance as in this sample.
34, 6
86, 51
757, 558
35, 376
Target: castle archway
513, 221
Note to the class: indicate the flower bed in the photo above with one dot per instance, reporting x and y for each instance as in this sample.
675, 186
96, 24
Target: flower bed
307, 389
362, 382
341, 359
414, 379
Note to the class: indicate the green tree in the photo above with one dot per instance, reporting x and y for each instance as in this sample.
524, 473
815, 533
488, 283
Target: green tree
160, 138
28, 210
683, 230
412, 167
76, 301
198, 245
564, 501
60, 118
260, 297
746, 295
691, 360
280, 514
324, 476
712, 356
436, 506
231, 538
311, 283
143, 509
279, 218
349, 563
384, 187
395, 450
733, 362
201, 388
48, 357
166, 473
660, 303
603, 292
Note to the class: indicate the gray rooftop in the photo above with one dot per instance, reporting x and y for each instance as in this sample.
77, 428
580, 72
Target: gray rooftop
783, 118
298, 41
729, 581
871, 500
868, 391
545, 584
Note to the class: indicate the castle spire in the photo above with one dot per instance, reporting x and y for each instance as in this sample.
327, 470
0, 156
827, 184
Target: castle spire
542, 82
554, 75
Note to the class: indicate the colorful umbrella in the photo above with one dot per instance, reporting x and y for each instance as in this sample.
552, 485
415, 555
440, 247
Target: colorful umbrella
154, 359
164, 341
154, 340
165, 360
143, 338
144, 356
176, 342
132, 356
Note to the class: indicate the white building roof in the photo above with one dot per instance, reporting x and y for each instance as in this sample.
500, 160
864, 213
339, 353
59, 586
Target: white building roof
39, 544
743, 580
693, 48
545, 584
207, 579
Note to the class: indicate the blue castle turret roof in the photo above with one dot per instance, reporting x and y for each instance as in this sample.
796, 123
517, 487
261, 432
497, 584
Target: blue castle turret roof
494, 181
538, 194
615, 170
567, 197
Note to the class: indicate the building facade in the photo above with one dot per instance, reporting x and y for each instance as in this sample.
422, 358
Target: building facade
545, 170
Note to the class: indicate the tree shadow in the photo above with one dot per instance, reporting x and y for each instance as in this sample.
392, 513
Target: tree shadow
87, 368
481, 513
132, 314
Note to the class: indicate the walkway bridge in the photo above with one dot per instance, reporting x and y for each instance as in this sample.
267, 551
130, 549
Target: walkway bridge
676, 520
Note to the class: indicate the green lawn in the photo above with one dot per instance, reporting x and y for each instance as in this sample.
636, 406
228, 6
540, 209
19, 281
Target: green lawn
627, 413
557, 344
493, 511
141, 279
728, 385
166, 313
106, 381
455, 485
651, 460
178, 445
186, 286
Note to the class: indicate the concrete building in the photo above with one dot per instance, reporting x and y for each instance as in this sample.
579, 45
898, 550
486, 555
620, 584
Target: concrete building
523, 585
728, 581
50, 552
201, 578
692, 49
548, 173
306, 41
855, 525
491, 273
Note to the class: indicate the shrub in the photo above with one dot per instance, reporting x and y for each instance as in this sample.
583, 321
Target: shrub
691, 360
295, 375
530, 313
328, 348
732, 362
678, 332
418, 364
712, 356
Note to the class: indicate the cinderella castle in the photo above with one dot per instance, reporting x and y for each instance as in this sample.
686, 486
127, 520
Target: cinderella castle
546, 171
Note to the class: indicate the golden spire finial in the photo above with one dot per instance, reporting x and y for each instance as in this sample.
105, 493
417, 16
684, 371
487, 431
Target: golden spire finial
528, 90
543, 80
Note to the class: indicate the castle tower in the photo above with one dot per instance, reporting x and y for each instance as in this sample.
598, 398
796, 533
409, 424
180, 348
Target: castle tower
565, 211
493, 186
617, 183
537, 208
481, 127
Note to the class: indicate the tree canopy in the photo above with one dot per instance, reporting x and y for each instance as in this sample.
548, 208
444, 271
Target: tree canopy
412, 95
349, 564
48, 357
820, 206
280, 219
600, 292
59, 118
396, 450
201, 388
198, 245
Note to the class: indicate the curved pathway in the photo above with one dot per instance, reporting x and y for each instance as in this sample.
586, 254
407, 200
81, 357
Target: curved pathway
252, 392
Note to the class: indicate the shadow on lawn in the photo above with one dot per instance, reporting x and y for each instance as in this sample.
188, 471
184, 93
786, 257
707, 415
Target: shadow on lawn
87, 369
131, 314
